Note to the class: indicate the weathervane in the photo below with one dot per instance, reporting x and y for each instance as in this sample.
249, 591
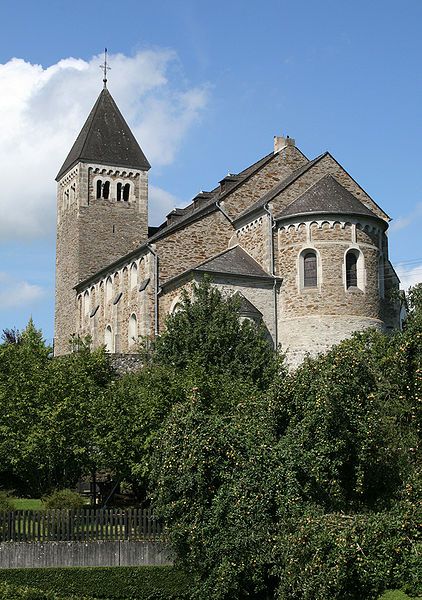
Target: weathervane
105, 68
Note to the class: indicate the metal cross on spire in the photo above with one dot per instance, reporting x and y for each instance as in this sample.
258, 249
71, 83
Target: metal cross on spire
105, 68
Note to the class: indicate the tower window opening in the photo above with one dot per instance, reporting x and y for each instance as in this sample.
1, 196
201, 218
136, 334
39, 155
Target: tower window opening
310, 276
106, 190
99, 186
351, 270
119, 192
126, 189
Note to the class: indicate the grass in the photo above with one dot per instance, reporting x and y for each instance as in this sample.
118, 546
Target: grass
27, 503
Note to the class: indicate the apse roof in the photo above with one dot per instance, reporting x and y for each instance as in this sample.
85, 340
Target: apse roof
326, 196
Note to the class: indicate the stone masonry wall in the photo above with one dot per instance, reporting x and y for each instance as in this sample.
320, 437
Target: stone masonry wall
315, 335
277, 169
118, 298
196, 242
92, 233
316, 318
326, 165
254, 238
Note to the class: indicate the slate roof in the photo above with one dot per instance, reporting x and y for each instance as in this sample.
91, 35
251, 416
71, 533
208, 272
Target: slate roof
106, 139
234, 261
209, 199
284, 183
326, 196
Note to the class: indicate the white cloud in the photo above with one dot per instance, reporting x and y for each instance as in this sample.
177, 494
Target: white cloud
15, 293
405, 221
43, 109
409, 276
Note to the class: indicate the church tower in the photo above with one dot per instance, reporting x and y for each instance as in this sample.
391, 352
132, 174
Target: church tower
102, 206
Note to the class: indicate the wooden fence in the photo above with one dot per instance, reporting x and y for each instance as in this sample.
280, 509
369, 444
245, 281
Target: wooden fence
79, 525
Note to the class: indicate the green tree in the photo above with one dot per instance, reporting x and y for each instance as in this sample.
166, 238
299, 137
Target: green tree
47, 416
208, 332
313, 492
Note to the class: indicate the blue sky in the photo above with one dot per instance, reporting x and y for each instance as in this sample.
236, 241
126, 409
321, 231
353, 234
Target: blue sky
205, 87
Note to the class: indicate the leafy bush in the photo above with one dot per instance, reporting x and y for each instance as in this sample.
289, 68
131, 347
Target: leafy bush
140, 583
64, 499
6, 502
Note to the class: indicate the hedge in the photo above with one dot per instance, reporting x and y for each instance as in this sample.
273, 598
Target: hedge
12, 592
395, 595
140, 583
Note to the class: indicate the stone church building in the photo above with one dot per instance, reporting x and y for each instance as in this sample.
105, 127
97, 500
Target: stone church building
299, 240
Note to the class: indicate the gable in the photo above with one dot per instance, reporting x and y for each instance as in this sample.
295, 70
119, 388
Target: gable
327, 165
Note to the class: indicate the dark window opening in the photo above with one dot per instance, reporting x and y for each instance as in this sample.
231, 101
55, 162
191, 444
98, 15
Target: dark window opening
119, 192
99, 188
126, 190
106, 190
310, 270
351, 270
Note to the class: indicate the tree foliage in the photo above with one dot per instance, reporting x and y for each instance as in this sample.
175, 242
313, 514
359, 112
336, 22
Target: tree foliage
312, 492
207, 331
47, 413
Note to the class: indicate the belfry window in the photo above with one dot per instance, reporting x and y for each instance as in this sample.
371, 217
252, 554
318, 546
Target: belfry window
351, 270
310, 273
126, 190
119, 192
103, 189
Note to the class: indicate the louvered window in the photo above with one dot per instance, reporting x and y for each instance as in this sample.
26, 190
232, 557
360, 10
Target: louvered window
310, 277
351, 270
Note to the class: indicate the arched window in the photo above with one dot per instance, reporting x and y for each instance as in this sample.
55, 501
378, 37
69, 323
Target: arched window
351, 270
119, 192
133, 330
106, 190
310, 272
99, 186
354, 270
109, 289
108, 339
133, 276
126, 190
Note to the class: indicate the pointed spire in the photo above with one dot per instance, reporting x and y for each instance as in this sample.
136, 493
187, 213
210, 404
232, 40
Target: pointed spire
105, 139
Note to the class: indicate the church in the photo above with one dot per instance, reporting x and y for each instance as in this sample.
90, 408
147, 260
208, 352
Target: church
298, 239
